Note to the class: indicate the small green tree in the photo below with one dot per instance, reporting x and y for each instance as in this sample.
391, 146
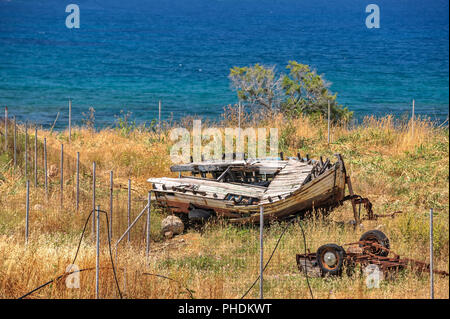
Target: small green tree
257, 85
306, 92
301, 91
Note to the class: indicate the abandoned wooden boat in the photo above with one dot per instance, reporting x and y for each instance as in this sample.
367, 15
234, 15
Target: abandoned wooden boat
236, 189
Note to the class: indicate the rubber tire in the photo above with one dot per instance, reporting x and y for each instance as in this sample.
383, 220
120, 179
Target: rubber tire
380, 238
199, 215
339, 252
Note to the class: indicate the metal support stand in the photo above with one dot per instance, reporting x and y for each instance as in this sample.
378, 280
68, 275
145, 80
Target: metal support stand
355, 211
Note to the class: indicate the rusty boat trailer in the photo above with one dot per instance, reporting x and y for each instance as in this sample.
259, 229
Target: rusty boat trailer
362, 252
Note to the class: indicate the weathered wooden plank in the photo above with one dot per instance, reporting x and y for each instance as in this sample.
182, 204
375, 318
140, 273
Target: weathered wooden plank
288, 180
209, 186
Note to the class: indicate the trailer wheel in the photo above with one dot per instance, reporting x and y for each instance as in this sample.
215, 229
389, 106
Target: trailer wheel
199, 215
330, 258
378, 237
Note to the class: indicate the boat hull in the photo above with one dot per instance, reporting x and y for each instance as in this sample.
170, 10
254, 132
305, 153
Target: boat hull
325, 191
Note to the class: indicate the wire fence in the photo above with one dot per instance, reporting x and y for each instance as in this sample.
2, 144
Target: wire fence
68, 183
72, 184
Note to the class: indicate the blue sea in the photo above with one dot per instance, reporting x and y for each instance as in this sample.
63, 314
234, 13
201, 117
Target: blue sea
127, 55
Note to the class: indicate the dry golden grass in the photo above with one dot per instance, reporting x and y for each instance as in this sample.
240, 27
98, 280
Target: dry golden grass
394, 168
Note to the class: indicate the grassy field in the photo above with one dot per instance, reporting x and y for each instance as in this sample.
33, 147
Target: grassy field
394, 168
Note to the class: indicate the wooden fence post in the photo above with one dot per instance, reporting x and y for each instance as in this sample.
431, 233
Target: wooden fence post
78, 183
431, 256
412, 119
15, 143
129, 208
97, 260
6, 129
93, 198
35, 156
26, 150
329, 111
70, 120
45, 167
111, 189
261, 250
148, 224
27, 216
62, 177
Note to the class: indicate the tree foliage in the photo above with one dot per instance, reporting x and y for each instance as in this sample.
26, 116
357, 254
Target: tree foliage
300, 91
257, 85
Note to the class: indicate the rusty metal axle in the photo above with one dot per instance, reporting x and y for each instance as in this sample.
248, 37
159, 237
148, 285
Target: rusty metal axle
362, 255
